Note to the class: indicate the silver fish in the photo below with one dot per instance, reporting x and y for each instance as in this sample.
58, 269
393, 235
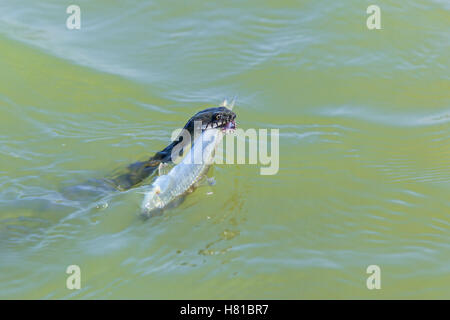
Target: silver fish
184, 176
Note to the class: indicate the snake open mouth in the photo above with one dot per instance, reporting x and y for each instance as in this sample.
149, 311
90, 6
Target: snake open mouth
224, 125
231, 125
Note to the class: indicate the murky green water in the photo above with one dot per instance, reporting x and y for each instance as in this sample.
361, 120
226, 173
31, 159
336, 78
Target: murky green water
364, 148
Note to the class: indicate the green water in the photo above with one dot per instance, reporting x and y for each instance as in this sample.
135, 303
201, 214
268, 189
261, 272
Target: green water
364, 148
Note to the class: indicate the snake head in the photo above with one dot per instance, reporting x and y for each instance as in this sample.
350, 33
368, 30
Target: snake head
212, 118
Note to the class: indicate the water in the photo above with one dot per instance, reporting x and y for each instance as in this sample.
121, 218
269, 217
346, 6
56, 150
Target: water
364, 149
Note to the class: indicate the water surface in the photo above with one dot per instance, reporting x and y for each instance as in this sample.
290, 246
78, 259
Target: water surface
364, 149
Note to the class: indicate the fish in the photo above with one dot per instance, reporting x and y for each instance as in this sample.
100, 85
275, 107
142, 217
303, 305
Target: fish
185, 176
